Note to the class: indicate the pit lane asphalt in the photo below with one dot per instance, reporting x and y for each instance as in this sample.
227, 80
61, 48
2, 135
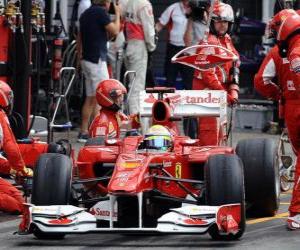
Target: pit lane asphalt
261, 233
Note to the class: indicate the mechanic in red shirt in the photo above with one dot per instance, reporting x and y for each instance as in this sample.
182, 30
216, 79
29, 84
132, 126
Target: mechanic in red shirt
108, 122
288, 40
222, 77
15, 163
10, 198
273, 66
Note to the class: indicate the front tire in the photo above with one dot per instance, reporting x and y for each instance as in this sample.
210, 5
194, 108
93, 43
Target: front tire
51, 186
225, 185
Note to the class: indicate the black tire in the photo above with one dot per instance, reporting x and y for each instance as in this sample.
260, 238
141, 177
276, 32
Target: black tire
51, 186
100, 140
225, 185
261, 171
52, 180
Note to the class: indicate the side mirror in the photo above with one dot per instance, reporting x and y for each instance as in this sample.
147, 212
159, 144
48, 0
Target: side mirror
113, 142
189, 142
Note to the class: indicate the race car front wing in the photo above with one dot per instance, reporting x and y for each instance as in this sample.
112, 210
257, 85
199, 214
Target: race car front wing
190, 219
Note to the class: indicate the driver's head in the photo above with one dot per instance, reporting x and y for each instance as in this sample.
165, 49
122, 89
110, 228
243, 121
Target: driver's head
222, 19
158, 137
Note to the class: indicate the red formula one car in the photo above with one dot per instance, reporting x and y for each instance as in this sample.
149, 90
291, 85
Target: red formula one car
130, 185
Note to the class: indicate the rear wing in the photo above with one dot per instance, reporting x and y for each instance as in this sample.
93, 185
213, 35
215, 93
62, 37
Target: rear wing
188, 103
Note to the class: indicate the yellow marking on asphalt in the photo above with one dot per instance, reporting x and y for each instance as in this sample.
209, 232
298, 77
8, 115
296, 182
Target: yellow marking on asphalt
264, 219
287, 192
285, 203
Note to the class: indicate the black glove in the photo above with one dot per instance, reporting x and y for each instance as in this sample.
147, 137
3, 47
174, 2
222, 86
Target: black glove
235, 75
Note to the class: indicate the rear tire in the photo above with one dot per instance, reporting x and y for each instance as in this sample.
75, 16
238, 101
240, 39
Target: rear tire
261, 172
51, 186
225, 185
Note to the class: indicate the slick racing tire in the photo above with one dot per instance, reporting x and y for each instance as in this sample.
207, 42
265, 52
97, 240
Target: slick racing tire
225, 185
52, 180
261, 171
51, 186
100, 140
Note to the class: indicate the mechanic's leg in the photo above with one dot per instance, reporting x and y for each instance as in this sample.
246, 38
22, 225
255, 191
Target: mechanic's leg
292, 115
136, 60
86, 113
208, 131
11, 199
94, 73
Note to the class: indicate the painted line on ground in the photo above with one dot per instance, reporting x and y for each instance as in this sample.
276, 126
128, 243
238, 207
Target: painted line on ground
285, 203
287, 192
264, 219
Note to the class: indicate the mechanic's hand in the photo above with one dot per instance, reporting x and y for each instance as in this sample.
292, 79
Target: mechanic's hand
25, 172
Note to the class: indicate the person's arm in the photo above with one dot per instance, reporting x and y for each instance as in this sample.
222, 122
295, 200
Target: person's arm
164, 19
10, 146
147, 20
263, 81
158, 27
113, 28
188, 37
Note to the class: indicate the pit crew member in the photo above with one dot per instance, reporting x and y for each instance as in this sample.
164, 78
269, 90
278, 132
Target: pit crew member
288, 40
222, 77
14, 164
109, 95
140, 37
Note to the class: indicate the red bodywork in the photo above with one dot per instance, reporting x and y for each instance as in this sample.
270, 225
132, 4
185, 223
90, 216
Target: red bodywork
135, 169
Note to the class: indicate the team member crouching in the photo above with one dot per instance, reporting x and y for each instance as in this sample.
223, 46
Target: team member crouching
110, 95
10, 198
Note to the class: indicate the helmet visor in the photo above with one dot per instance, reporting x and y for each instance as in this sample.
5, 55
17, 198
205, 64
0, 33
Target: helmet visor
160, 142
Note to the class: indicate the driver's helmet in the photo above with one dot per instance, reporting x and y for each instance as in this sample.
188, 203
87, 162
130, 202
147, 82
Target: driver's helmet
158, 137
6, 97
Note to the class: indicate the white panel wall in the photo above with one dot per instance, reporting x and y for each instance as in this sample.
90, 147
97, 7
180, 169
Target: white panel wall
268, 8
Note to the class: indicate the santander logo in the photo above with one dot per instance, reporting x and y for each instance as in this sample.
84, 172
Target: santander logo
202, 99
178, 99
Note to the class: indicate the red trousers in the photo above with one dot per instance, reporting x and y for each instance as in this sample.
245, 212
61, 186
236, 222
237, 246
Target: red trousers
292, 119
11, 199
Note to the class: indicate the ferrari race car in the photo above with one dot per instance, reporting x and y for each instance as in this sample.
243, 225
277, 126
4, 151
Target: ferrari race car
128, 185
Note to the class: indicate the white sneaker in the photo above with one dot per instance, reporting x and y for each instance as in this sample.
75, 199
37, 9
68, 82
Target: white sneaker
293, 222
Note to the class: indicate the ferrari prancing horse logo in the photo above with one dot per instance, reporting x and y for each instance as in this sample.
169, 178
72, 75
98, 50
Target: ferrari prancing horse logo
178, 170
